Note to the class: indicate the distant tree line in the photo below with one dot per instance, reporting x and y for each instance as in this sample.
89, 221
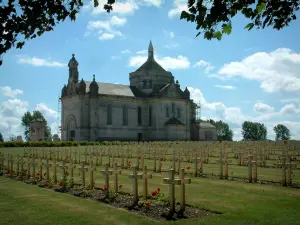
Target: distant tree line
251, 131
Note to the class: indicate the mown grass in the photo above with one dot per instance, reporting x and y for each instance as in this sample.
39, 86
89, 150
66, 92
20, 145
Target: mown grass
240, 203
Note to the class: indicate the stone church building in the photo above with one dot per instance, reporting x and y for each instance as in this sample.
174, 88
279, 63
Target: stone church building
152, 107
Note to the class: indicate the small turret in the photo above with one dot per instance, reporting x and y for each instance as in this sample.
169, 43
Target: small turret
186, 93
64, 91
177, 83
82, 87
94, 87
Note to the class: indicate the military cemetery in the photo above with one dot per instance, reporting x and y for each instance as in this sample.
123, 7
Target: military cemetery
149, 112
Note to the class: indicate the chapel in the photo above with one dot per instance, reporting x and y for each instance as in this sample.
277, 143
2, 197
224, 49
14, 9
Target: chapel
153, 107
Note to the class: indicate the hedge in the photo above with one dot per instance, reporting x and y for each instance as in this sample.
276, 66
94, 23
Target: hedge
57, 144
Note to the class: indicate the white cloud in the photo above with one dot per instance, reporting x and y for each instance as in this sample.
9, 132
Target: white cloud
229, 87
178, 7
9, 92
170, 34
180, 62
290, 109
35, 61
235, 117
122, 8
291, 100
203, 64
156, 3
277, 71
126, 51
46, 111
142, 52
106, 36
125, 7
106, 28
261, 107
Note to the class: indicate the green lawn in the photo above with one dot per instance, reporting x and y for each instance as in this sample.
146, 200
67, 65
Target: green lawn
240, 203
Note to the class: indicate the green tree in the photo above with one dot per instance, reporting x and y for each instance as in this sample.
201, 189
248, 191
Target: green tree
224, 133
254, 131
282, 132
213, 18
1, 137
28, 118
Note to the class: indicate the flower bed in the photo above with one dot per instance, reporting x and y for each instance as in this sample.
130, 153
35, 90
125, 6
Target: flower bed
155, 207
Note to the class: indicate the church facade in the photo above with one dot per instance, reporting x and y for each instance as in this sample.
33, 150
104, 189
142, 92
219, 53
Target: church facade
152, 107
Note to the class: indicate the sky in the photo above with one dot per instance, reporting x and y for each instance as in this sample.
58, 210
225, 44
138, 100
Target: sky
247, 76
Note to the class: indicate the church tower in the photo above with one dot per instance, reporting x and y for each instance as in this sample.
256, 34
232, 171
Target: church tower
73, 69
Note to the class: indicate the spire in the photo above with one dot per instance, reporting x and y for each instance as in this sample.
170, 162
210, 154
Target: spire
150, 51
94, 77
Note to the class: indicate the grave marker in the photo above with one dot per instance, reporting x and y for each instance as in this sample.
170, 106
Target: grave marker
83, 169
116, 172
135, 176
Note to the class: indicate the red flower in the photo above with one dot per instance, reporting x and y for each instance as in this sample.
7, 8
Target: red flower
105, 188
9, 171
37, 174
61, 183
147, 203
154, 193
158, 189
121, 185
188, 167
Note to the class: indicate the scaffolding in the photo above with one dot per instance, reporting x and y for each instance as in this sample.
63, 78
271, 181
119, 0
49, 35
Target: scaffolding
198, 111
59, 118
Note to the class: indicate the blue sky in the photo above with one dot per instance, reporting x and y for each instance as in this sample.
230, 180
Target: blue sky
247, 76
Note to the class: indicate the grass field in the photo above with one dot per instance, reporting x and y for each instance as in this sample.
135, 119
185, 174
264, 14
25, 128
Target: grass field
267, 174
239, 202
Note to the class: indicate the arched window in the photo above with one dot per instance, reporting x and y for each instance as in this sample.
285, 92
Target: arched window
150, 116
178, 112
150, 84
125, 115
167, 112
109, 114
144, 84
139, 115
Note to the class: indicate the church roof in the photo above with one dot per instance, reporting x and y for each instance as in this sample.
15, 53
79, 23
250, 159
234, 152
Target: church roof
112, 89
206, 125
151, 64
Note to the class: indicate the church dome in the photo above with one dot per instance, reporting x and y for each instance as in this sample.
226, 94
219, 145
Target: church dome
151, 64
150, 76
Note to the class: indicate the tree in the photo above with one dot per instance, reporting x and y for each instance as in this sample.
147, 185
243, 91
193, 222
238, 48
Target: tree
28, 118
1, 137
12, 138
213, 18
224, 133
282, 132
254, 131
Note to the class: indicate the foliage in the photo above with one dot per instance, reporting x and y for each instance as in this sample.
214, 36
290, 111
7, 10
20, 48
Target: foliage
254, 131
1, 138
282, 132
20, 22
214, 18
28, 118
224, 133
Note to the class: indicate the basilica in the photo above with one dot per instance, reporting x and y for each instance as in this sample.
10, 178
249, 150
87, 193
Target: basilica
152, 107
